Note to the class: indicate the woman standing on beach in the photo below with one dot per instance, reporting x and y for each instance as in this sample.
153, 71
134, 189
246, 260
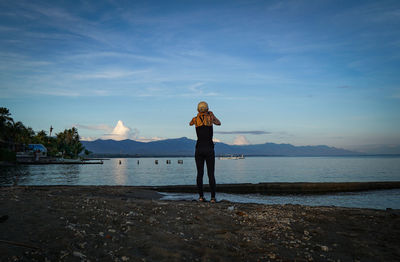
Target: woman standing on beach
205, 147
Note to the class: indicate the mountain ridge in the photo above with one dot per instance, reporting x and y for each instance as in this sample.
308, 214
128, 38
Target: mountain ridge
185, 147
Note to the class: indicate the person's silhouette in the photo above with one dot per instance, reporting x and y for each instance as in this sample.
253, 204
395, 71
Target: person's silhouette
205, 147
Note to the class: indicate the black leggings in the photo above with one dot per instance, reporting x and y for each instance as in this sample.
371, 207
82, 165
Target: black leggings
205, 155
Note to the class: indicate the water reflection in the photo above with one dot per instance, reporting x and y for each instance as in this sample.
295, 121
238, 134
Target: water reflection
120, 171
40, 175
68, 173
249, 170
13, 175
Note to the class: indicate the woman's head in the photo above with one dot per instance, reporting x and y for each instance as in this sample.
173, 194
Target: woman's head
202, 107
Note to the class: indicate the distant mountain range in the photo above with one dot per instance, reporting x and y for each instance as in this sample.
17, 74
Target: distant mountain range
185, 147
379, 149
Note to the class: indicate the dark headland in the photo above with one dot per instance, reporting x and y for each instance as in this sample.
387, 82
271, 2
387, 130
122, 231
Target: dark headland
114, 223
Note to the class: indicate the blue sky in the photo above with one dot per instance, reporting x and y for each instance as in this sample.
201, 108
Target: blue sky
299, 72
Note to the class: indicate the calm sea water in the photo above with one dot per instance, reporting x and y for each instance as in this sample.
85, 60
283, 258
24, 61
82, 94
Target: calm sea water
249, 170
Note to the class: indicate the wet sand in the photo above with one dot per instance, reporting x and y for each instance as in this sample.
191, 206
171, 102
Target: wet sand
109, 223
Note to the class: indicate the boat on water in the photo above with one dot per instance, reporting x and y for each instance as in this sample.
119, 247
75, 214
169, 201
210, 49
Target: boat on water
234, 157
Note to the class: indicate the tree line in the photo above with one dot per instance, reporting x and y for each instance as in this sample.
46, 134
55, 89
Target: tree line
15, 136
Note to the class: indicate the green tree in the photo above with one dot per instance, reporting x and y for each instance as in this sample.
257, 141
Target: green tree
5, 115
87, 152
15, 136
6, 122
49, 142
20, 135
41, 137
68, 143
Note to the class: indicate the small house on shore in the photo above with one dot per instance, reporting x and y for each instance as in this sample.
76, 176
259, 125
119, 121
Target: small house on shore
33, 153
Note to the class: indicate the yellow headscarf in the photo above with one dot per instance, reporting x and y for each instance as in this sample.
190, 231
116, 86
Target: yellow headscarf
203, 119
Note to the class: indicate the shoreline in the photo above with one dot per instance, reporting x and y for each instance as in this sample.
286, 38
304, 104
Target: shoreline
110, 156
80, 223
271, 188
283, 188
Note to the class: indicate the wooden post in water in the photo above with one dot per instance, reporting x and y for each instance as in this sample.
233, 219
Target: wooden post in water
156, 162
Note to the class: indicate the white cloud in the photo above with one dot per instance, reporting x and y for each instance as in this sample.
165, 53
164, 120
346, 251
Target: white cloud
216, 140
144, 139
87, 138
121, 132
121, 129
240, 140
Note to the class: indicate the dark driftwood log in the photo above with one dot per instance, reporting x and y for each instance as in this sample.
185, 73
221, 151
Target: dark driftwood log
18, 244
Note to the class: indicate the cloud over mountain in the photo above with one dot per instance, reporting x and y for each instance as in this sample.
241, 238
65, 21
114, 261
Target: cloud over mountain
121, 132
241, 140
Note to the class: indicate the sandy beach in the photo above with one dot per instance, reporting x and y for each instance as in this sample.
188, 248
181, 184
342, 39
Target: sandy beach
109, 223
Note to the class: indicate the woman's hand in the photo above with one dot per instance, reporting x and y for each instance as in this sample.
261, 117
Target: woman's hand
214, 119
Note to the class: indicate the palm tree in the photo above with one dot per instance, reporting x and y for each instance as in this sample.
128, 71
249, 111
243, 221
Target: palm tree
6, 122
41, 137
20, 135
15, 136
5, 115
68, 143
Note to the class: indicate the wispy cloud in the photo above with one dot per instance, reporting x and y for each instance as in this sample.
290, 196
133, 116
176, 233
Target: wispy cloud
18, 62
60, 18
158, 88
118, 55
396, 95
198, 89
249, 132
101, 127
110, 74
262, 56
62, 92
65, 24
7, 28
